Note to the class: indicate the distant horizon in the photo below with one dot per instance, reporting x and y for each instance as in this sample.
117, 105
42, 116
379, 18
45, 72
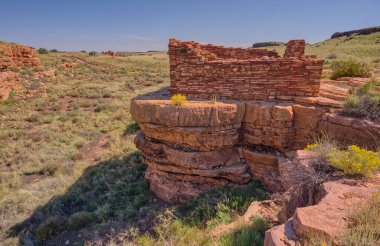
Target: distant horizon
140, 26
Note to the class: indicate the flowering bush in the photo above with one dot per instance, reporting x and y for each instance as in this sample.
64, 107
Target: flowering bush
179, 99
353, 161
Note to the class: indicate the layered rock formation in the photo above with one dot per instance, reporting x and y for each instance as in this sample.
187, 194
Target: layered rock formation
267, 109
202, 145
12, 55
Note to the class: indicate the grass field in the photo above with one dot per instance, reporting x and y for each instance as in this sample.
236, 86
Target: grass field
70, 173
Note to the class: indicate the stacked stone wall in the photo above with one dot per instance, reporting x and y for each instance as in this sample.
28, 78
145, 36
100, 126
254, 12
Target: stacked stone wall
205, 71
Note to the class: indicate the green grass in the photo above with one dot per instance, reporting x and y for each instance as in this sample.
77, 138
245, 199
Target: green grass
50, 185
251, 235
42, 138
191, 223
364, 227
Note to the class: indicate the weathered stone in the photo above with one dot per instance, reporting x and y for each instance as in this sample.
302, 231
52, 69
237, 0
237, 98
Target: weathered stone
8, 81
351, 130
331, 214
281, 235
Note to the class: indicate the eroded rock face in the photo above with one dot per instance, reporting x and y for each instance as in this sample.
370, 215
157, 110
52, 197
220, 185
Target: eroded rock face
201, 145
12, 55
351, 130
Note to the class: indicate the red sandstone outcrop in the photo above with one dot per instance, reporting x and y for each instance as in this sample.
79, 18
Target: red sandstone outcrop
202, 145
12, 55
328, 218
8, 81
110, 53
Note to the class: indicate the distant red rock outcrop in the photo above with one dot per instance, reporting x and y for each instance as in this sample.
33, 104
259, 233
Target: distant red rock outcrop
11, 56
110, 53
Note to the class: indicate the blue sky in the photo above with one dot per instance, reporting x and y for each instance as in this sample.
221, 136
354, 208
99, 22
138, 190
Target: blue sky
141, 25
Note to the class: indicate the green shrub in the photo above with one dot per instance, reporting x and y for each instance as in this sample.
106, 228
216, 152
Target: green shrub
80, 219
50, 227
349, 68
42, 51
364, 102
352, 101
179, 99
355, 161
332, 56
53, 51
93, 53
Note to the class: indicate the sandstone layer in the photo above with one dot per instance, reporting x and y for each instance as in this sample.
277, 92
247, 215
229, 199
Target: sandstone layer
202, 145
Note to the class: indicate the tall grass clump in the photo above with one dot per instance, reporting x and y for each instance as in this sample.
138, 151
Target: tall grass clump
349, 68
170, 230
364, 228
364, 102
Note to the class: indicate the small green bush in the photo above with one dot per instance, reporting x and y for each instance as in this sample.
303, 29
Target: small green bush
50, 227
349, 68
332, 56
364, 102
93, 53
53, 51
352, 101
42, 51
80, 219
179, 99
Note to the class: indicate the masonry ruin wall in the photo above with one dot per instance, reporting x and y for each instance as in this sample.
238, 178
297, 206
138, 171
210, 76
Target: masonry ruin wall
205, 71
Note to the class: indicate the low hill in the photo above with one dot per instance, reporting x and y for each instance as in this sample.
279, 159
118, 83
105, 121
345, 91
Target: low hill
363, 31
365, 48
